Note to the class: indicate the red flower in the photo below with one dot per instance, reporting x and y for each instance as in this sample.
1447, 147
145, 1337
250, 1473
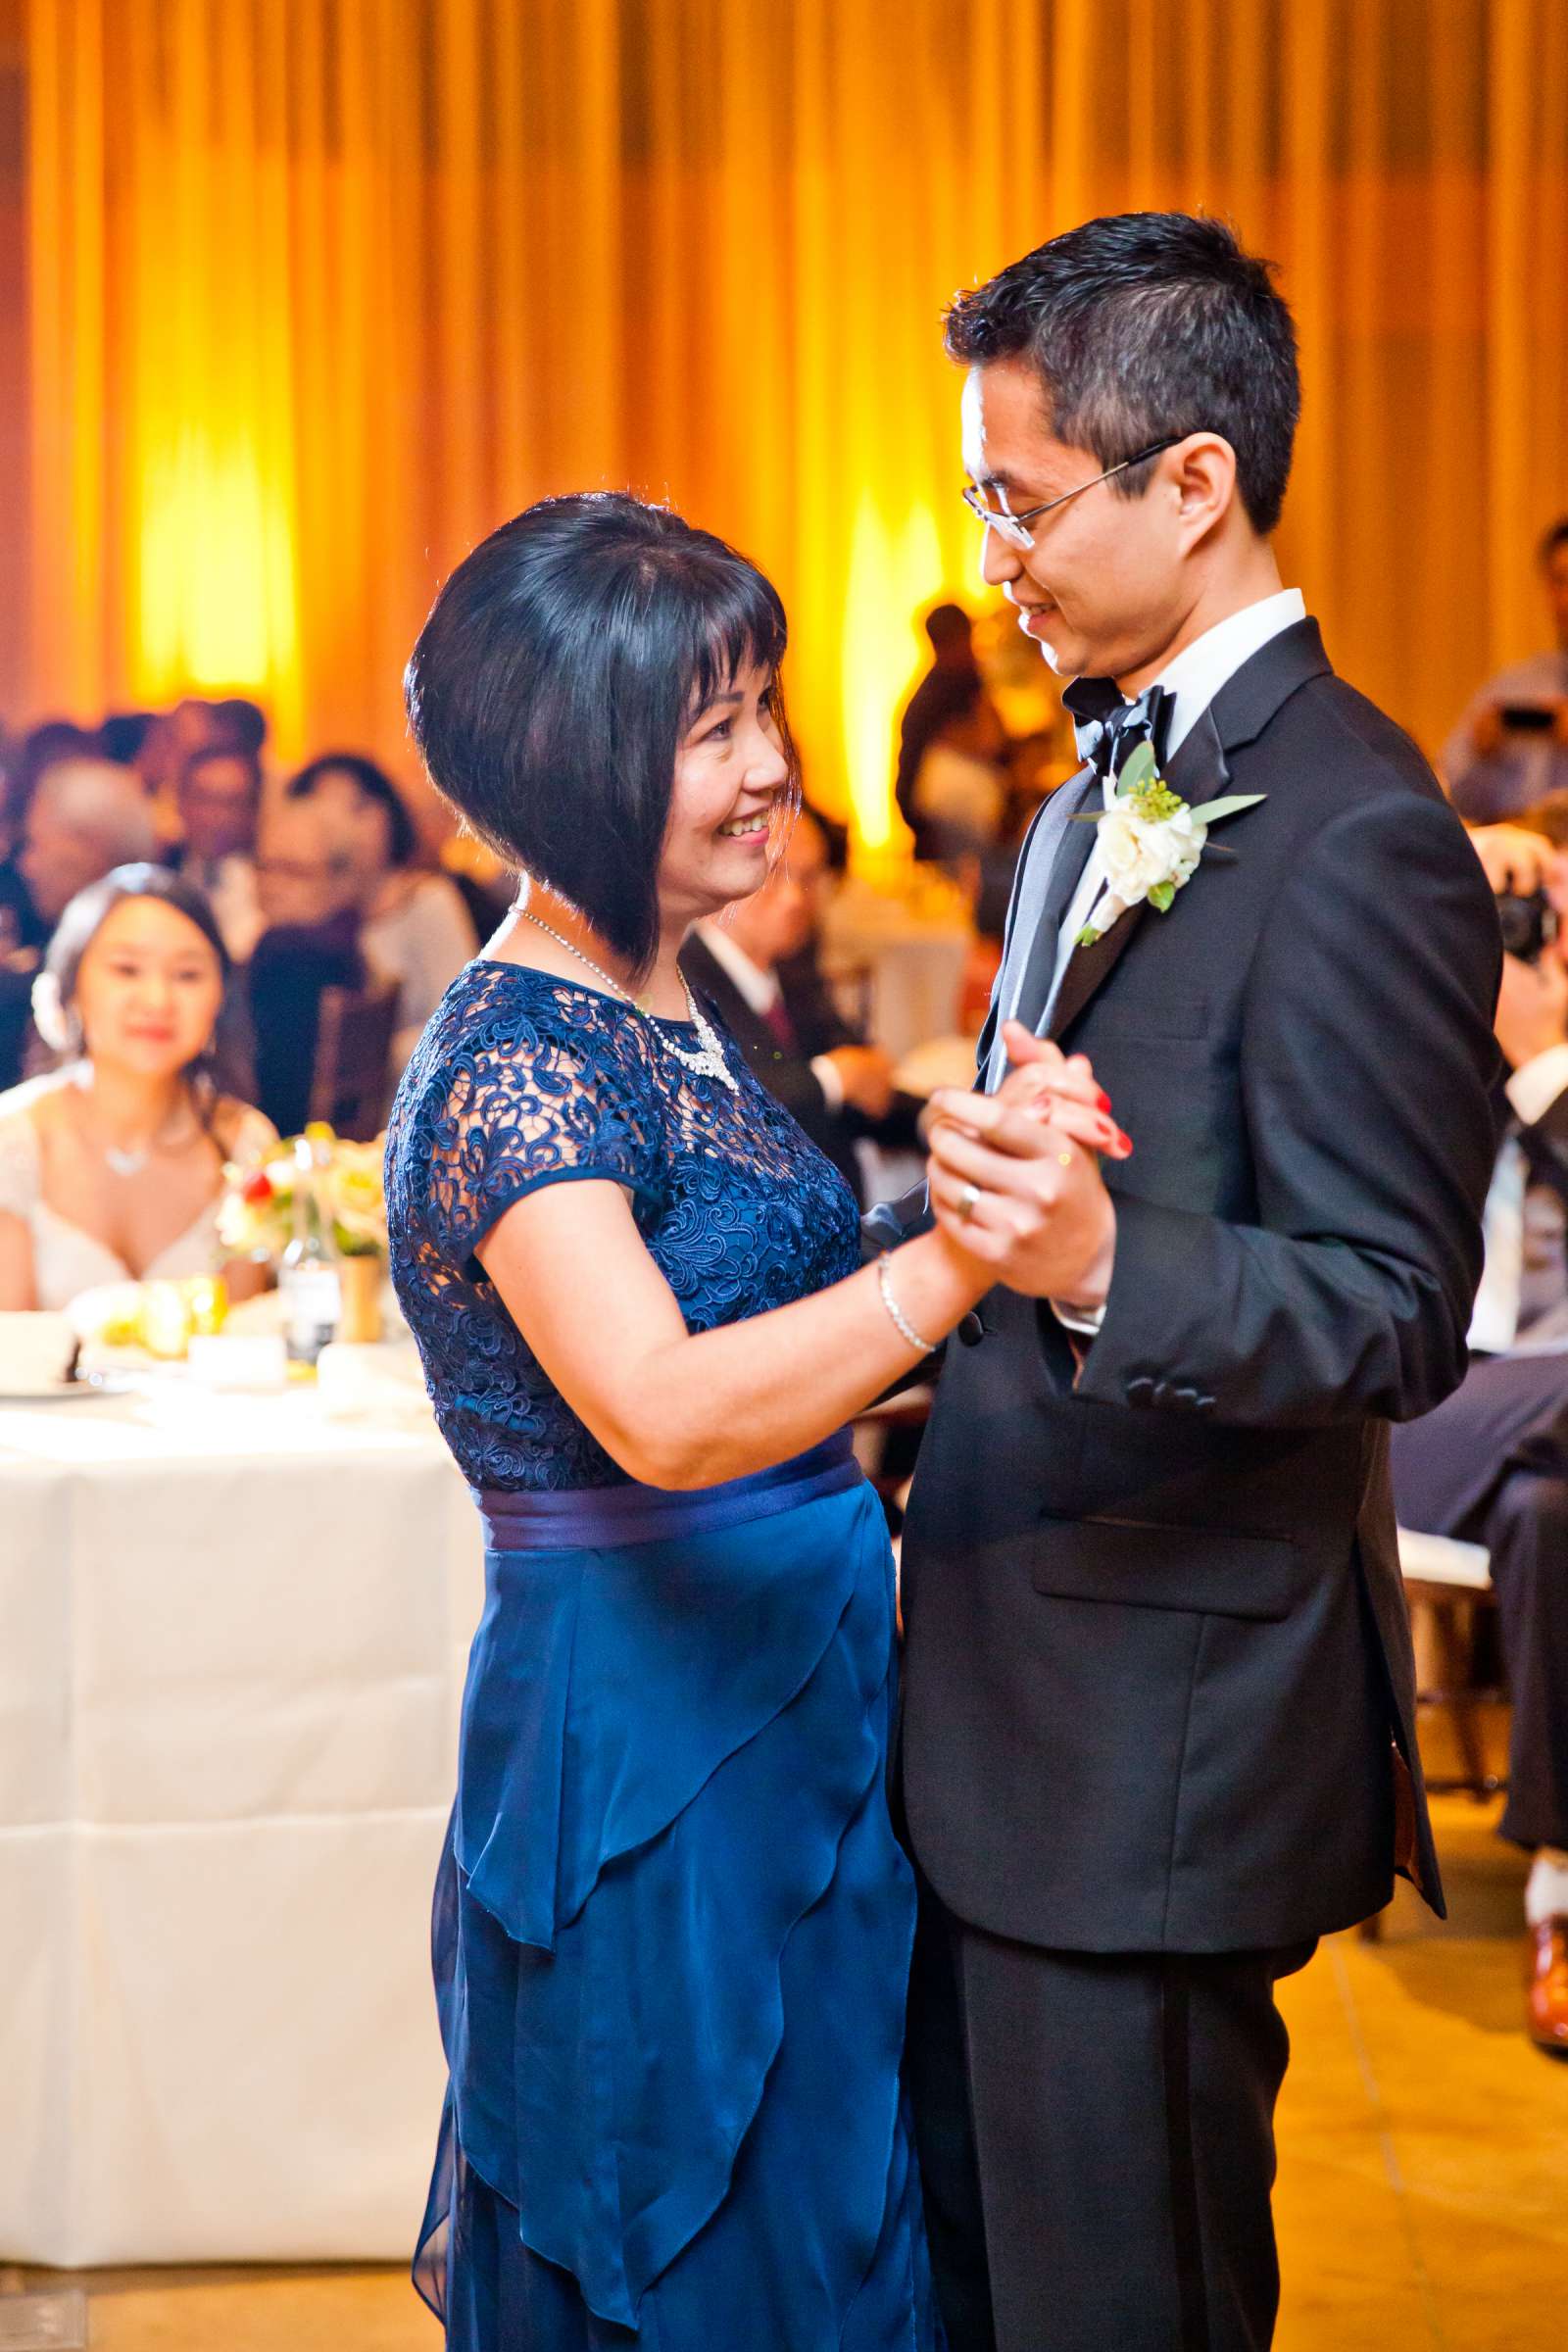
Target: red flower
257, 1188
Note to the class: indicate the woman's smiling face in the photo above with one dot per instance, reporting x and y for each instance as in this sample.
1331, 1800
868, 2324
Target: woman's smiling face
148, 989
731, 772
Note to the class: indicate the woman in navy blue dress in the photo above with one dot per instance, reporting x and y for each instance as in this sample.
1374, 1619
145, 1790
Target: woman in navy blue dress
673, 1925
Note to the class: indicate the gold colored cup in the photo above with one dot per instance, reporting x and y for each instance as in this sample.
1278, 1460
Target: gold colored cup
360, 1279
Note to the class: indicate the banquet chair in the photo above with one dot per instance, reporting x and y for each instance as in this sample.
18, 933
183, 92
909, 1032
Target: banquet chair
350, 1080
1452, 1582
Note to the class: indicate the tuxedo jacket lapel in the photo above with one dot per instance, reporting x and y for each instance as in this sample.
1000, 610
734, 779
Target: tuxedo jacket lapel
1069, 854
1029, 924
1199, 772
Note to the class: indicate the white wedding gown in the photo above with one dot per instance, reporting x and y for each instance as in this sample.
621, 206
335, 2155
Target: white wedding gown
68, 1261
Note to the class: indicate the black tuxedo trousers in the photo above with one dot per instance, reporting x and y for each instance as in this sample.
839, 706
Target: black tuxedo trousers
1158, 1694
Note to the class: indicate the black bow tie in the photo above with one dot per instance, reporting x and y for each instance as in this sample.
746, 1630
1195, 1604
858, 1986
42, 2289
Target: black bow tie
1109, 728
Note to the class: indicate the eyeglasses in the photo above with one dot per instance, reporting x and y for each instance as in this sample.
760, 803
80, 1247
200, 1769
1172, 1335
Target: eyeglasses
1016, 529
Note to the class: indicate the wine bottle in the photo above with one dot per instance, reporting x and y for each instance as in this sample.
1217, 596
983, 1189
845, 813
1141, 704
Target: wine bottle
307, 1275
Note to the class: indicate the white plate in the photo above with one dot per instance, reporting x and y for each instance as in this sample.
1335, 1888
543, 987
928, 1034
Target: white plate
66, 1392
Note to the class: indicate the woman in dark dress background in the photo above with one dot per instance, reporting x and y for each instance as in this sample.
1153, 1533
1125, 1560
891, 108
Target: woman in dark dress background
673, 1925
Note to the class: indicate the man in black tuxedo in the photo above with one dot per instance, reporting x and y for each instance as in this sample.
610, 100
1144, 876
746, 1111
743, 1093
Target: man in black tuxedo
757, 964
1157, 1707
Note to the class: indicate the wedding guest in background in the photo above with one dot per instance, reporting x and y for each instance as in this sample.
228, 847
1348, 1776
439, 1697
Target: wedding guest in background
174, 737
23, 930
21, 926
219, 803
308, 906
44, 746
757, 964
414, 925
1490, 1466
951, 696
123, 734
1511, 746
111, 1167
84, 816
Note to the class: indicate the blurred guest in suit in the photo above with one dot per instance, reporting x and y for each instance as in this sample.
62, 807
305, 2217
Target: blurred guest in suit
950, 740
416, 926
757, 965
173, 738
1490, 1466
306, 888
1511, 746
219, 801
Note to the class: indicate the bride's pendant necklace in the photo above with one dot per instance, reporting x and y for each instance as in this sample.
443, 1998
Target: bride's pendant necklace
130, 1159
707, 1059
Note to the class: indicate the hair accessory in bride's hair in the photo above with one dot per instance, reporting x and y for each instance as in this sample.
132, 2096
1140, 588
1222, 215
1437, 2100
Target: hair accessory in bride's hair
52, 1017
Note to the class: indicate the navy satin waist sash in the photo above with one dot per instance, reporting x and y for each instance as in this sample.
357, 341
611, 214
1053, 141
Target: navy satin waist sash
596, 1517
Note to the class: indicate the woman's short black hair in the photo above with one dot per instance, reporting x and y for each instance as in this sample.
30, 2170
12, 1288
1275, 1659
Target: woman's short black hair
84, 917
1145, 327
375, 784
562, 665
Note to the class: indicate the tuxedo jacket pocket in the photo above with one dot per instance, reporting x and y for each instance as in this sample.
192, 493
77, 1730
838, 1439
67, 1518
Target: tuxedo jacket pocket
1139, 1564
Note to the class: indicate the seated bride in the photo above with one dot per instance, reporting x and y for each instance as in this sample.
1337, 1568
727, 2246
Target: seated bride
112, 1167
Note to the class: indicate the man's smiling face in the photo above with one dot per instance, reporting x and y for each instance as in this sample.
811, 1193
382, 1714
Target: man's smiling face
1102, 588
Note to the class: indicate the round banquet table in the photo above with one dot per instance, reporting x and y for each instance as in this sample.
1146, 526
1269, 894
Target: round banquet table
234, 1641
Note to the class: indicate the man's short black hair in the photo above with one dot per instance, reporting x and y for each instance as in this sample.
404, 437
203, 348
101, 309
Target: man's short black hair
562, 665
1555, 535
1144, 328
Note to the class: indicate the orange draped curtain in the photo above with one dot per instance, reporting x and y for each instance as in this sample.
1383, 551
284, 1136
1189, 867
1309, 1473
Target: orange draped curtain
314, 292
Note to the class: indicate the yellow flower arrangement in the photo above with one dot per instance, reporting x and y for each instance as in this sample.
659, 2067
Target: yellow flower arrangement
256, 1216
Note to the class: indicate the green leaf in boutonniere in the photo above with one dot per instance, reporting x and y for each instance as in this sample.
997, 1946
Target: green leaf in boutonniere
1139, 767
1212, 810
1163, 898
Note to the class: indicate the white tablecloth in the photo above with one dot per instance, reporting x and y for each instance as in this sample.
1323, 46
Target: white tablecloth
232, 1636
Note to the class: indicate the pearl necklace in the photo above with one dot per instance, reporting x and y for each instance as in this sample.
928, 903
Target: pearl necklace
707, 1061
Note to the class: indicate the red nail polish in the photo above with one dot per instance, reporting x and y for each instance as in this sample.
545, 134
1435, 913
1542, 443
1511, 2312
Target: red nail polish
1103, 1100
1126, 1140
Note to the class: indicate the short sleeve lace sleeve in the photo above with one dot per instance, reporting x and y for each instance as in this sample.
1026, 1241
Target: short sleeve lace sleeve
531, 1100
522, 1080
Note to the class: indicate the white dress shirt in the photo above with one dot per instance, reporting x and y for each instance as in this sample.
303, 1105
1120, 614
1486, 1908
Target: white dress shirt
1193, 676
761, 992
1532, 1090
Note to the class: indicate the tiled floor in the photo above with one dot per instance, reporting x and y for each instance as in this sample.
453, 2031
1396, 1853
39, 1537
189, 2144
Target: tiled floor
1423, 2194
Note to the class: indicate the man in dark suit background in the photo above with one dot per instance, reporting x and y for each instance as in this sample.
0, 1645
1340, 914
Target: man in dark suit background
1490, 1466
1157, 1707
757, 964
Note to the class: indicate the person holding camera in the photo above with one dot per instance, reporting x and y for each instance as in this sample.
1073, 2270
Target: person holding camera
1491, 1464
1510, 749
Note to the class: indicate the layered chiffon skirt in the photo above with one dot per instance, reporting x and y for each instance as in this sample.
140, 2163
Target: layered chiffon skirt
672, 1930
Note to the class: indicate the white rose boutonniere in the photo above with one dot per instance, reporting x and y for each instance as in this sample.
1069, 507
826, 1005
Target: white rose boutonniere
1150, 842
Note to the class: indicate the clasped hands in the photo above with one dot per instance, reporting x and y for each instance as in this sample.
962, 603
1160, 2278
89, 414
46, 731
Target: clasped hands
1014, 1177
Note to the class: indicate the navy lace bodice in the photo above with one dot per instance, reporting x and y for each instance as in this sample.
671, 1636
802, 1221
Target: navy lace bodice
522, 1080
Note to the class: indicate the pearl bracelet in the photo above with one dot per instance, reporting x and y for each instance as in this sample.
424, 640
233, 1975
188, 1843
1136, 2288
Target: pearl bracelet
900, 1321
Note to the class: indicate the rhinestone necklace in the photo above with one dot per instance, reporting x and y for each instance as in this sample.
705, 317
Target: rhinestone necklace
707, 1061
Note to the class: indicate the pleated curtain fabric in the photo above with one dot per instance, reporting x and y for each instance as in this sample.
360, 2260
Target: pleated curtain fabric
312, 293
